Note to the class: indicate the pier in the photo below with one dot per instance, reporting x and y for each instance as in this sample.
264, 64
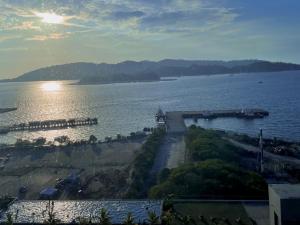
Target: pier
49, 125
174, 121
5, 110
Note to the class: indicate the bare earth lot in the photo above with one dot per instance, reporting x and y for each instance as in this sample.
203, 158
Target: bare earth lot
99, 167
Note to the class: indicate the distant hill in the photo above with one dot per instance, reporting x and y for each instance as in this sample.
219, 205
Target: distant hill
129, 71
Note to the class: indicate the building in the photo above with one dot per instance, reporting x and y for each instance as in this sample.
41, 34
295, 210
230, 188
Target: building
160, 118
284, 204
49, 193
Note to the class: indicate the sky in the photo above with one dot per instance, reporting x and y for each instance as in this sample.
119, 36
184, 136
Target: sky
39, 33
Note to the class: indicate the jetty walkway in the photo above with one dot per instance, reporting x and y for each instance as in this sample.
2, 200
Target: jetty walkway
175, 120
49, 124
5, 110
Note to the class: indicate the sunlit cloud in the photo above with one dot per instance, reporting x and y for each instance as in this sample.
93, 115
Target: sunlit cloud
53, 36
51, 18
27, 25
140, 29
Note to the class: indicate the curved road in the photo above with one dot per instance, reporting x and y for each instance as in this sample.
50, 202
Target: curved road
268, 155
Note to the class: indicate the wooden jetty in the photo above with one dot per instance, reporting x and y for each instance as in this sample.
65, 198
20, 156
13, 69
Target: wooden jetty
174, 121
49, 125
5, 110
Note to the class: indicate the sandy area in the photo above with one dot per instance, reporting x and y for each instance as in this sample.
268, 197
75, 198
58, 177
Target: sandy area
40, 168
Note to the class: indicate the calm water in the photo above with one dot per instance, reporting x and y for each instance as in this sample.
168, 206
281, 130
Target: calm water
67, 211
123, 108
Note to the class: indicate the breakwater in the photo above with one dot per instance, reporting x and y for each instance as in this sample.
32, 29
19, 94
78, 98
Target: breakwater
175, 120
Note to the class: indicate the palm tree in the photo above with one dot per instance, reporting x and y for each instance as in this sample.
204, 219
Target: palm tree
9, 219
51, 220
92, 139
104, 217
168, 202
129, 220
83, 221
153, 219
168, 218
187, 220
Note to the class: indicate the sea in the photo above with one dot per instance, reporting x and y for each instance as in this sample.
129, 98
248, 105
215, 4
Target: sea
122, 108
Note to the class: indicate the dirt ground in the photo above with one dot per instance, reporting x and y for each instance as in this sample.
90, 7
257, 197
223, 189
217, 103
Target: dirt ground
40, 168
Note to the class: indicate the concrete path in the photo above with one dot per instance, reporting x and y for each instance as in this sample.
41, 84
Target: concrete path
258, 211
171, 153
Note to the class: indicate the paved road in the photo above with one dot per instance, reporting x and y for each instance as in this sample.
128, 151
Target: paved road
268, 155
170, 154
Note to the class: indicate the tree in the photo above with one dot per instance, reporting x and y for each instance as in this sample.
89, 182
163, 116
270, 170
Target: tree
9, 219
62, 139
187, 220
129, 220
163, 175
83, 221
104, 217
168, 218
40, 141
168, 203
22, 143
92, 139
51, 215
153, 219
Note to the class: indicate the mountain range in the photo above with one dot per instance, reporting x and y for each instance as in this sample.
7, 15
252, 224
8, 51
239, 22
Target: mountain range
132, 71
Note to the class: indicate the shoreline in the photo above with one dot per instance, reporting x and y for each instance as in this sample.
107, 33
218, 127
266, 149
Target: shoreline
122, 82
174, 77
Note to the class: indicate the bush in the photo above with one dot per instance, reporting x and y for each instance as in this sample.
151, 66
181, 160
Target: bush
208, 144
211, 178
143, 164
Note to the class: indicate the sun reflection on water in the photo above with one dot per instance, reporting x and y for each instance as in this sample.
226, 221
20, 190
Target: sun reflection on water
51, 86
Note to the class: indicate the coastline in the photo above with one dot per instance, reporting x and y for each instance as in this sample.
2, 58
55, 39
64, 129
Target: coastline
121, 82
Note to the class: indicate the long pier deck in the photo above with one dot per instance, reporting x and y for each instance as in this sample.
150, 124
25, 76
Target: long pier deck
5, 110
49, 125
175, 120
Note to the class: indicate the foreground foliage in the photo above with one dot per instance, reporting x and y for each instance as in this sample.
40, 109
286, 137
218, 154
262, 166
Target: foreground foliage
211, 178
213, 170
143, 164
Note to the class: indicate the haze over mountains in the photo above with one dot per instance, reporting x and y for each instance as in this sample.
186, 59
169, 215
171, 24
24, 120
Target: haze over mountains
132, 71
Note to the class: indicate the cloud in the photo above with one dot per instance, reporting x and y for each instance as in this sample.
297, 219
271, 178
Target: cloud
122, 16
125, 15
27, 25
8, 37
13, 49
53, 36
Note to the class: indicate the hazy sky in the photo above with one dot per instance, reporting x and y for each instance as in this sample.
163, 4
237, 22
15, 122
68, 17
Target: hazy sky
37, 33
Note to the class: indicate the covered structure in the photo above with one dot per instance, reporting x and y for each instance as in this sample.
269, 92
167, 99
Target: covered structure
49, 193
284, 204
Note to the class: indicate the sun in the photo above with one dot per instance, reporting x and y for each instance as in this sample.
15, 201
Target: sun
51, 86
50, 18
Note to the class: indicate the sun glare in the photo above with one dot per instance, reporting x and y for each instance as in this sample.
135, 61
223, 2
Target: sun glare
51, 18
51, 86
